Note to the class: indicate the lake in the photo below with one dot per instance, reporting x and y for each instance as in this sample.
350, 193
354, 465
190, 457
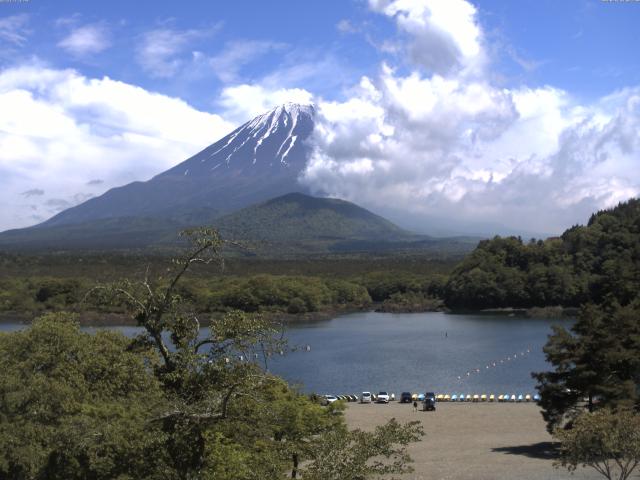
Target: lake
418, 352
411, 352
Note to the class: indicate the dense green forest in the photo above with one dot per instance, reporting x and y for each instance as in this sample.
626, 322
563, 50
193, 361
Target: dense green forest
589, 263
36, 284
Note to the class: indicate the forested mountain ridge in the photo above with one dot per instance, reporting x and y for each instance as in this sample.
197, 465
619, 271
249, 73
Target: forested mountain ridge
299, 216
589, 263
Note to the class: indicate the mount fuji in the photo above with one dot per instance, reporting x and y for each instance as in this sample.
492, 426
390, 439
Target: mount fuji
246, 185
259, 160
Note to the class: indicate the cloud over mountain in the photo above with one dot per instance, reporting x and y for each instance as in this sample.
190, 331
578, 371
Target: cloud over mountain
442, 139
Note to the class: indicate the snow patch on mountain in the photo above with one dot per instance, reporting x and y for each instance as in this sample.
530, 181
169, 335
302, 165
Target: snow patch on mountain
256, 132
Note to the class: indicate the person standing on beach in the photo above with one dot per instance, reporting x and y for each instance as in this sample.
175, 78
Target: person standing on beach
415, 406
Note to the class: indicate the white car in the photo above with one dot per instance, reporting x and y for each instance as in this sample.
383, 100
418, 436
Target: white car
327, 399
383, 397
366, 397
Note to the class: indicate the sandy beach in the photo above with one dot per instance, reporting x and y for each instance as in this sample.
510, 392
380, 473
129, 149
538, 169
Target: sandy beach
473, 441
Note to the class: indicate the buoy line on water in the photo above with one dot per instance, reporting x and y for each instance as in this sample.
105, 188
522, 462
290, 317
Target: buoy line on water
256, 356
507, 360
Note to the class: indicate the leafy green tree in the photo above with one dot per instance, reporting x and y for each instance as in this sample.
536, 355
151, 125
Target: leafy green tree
357, 455
606, 441
76, 406
226, 417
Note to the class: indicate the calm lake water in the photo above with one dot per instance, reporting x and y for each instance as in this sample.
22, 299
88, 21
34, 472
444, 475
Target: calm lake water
411, 352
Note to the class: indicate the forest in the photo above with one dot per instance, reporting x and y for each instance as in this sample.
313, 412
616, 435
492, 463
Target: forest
32, 285
592, 263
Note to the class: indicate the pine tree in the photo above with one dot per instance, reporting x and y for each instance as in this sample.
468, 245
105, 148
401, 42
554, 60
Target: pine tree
596, 364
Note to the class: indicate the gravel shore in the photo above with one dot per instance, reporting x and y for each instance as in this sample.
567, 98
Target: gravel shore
473, 441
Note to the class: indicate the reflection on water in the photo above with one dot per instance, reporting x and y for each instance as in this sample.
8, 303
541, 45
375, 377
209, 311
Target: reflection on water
409, 352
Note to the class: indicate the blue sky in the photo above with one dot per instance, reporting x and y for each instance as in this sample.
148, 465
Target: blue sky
135, 87
583, 46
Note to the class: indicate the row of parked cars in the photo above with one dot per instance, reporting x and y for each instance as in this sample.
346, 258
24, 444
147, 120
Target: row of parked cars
427, 400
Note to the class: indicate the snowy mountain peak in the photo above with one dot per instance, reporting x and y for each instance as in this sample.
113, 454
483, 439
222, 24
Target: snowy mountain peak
295, 109
273, 140
289, 113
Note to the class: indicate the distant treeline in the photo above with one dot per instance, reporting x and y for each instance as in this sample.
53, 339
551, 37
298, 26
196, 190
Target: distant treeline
263, 293
587, 264
592, 263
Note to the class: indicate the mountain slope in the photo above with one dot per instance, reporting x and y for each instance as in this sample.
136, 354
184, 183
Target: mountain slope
292, 224
297, 217
298, 224
259, 160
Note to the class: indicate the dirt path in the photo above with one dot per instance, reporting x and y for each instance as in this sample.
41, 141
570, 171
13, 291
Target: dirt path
473, 441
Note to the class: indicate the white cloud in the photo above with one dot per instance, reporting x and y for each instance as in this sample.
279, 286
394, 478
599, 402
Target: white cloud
438, 142
345, 26
59, 130
85, 40
527, 158
227, 64
160, 51
245, 101
445, 35
13, 29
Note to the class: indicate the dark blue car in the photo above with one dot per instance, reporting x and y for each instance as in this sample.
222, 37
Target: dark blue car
429, 402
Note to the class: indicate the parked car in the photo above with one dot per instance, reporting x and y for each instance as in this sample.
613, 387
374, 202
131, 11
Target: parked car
327, 399
383, 397
405, 397
366, 397
429, 402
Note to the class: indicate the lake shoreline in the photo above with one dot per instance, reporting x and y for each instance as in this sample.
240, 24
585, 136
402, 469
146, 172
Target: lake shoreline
100, 319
